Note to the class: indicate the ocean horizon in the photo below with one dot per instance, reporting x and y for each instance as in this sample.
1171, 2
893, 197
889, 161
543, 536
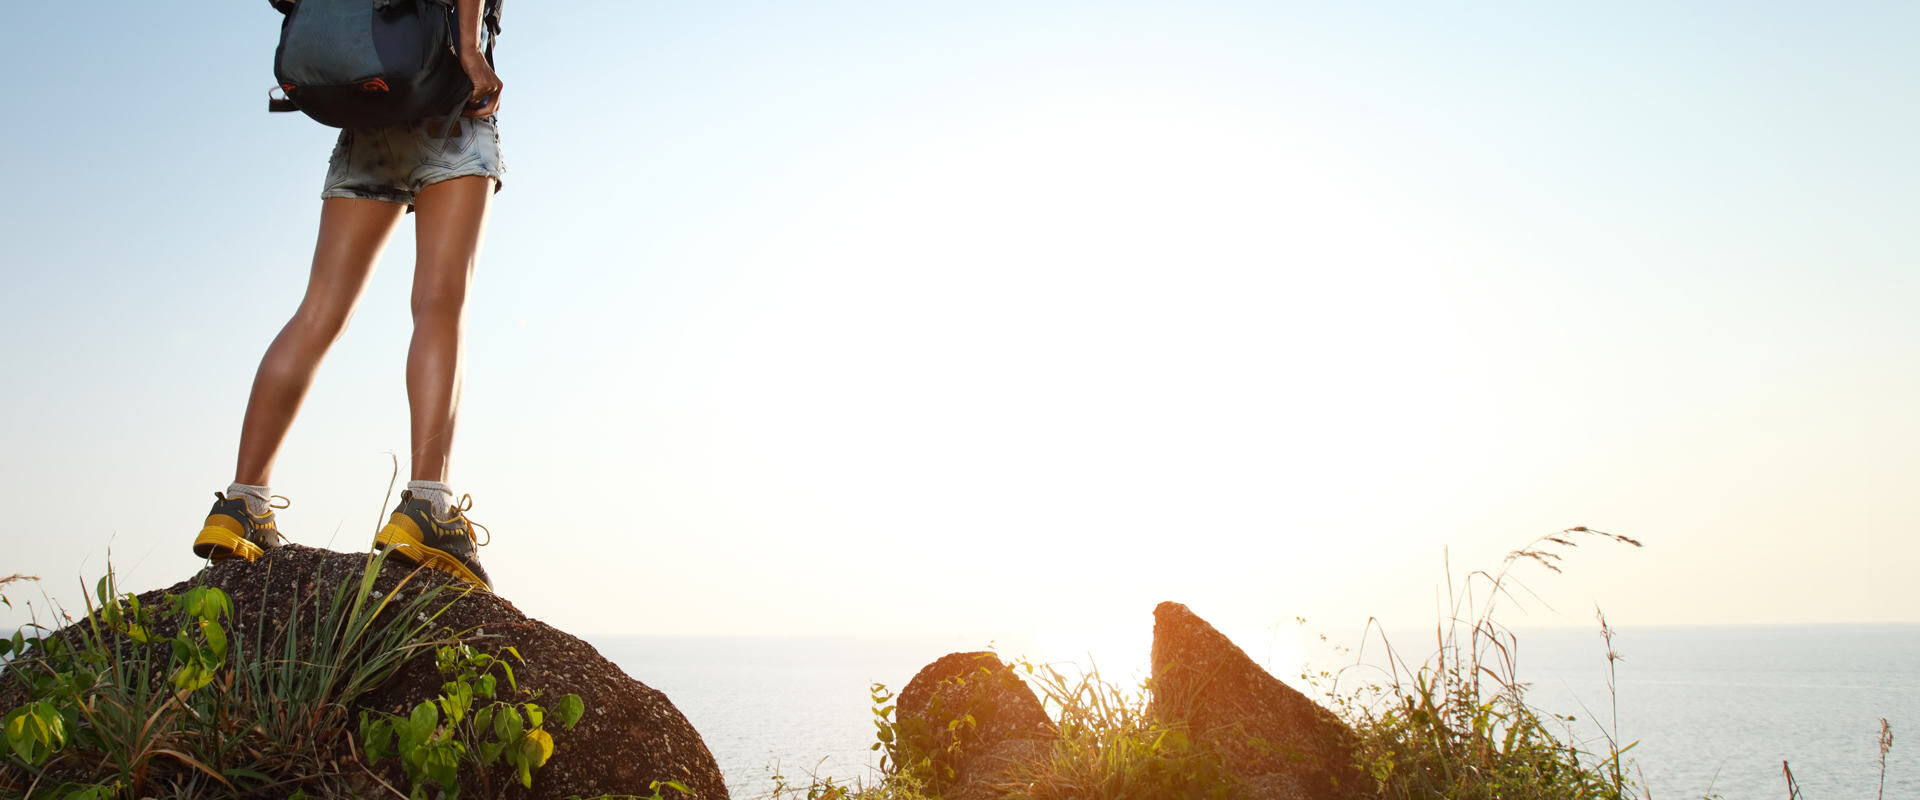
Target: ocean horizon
1709, 710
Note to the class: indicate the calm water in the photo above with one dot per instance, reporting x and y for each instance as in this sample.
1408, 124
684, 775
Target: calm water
1714, 709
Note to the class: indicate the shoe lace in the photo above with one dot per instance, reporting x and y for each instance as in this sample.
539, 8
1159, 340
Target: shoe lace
283, 502
460, 510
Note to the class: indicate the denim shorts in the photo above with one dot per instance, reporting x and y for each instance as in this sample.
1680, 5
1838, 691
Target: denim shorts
394, 163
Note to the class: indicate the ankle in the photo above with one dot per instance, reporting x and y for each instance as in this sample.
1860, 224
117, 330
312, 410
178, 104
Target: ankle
258, 497
438, 494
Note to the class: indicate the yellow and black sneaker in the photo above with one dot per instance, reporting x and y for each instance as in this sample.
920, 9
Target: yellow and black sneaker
448, 544
234, 531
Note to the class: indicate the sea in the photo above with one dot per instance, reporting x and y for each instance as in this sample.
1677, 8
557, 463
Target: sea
1708, 711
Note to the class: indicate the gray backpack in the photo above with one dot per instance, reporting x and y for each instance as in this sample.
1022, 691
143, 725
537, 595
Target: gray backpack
370, 63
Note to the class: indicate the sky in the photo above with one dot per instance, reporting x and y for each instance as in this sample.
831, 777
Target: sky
1009, 317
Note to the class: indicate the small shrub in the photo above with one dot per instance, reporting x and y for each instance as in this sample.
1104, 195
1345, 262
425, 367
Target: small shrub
443, 733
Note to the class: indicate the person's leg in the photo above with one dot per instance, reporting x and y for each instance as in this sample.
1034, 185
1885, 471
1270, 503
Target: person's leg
427, 528
352, 233
450, 217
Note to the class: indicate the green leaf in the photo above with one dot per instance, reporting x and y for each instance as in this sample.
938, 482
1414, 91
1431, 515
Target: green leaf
506, 724
19, 736
570, 710
443, 768
192, 676
486, 686
423, 720
216, 639
509, 668
536, 716
515, 725
375, 735
194, 602
222, 603
52, 724
456, 698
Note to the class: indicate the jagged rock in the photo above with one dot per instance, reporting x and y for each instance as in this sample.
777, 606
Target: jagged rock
1278, 743
629, 737
968, 760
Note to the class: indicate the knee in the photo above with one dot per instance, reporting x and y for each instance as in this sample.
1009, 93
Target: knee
323, 322
442, 298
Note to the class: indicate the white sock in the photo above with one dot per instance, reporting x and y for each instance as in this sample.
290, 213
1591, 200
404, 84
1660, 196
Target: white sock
257, 496
437, 493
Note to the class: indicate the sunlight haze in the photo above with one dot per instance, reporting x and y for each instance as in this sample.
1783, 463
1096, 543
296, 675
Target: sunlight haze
1008, 319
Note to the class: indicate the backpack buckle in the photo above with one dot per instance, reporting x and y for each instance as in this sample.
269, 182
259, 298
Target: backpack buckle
283, 102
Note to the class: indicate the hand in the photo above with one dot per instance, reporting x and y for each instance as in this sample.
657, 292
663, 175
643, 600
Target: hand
485, 100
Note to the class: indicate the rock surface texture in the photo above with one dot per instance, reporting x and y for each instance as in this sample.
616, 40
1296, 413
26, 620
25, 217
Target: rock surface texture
1009, 725
629, 736
1281, 745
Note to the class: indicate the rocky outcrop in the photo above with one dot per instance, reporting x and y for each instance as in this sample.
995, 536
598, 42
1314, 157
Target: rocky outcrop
629, 737
973, 721
1281, 745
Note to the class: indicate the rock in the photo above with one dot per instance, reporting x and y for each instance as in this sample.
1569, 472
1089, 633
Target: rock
1279, 744
968, 760
629, 737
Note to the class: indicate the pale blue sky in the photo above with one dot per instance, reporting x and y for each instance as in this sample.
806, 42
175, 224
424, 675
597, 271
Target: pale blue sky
1017, 316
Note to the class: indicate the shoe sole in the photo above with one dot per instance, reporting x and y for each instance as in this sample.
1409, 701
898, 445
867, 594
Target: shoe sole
218, 542
407, 544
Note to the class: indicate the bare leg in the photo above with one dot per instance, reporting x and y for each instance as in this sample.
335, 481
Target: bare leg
450, 217
352, 233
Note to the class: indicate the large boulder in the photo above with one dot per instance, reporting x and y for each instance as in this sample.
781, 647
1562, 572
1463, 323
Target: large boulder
972, 721
629, 737
1279, 744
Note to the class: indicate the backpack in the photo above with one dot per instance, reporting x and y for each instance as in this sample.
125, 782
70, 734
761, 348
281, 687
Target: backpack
370, 63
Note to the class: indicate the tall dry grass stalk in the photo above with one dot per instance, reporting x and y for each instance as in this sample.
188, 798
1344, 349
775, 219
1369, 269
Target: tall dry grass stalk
1886, 746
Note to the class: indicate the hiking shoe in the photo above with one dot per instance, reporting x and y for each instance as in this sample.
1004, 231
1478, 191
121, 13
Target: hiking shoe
234, 531
447, 545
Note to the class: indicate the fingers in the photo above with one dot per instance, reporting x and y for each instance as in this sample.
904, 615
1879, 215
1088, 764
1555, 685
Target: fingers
485, 99
487, 106
483, 89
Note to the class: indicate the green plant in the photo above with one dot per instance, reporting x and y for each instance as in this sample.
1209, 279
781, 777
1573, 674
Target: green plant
116, 693
1458, 724
165, 697
442, 733
332, 651
1108, 745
